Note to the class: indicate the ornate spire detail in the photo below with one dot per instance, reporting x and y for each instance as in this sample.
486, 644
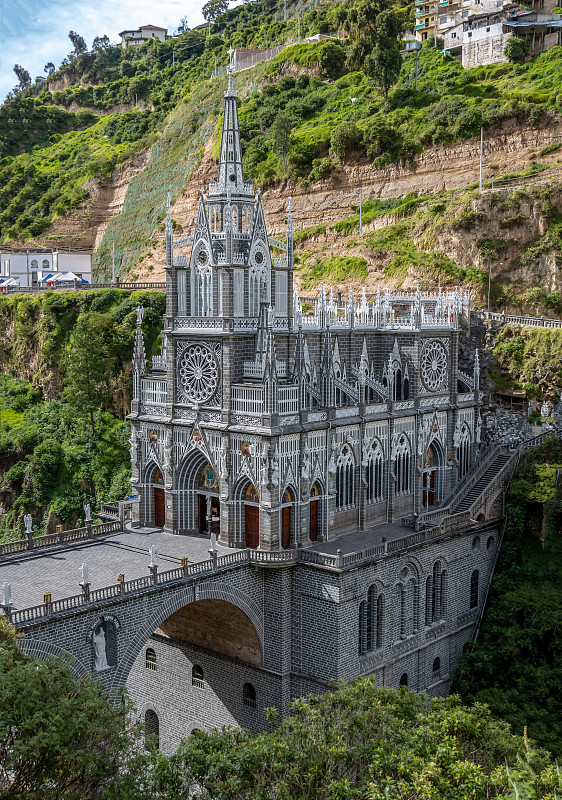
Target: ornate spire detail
139, 355
230, 162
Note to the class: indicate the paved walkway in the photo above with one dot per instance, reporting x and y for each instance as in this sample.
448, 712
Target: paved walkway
355, 541
58, 570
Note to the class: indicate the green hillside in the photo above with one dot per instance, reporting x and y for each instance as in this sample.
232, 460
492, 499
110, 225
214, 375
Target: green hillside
302, 115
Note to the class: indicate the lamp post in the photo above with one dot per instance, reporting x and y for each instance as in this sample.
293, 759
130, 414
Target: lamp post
497, 264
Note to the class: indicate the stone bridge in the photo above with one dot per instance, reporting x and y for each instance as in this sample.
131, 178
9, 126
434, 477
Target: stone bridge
189, 635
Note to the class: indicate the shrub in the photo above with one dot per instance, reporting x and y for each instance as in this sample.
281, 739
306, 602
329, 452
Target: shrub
321, 168
516, 49
331, 59
345, 139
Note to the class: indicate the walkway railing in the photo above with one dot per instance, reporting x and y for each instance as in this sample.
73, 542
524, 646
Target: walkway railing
82, 287
533, 322
63, 537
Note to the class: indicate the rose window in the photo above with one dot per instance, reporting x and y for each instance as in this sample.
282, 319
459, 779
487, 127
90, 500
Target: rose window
433, 365
199, 373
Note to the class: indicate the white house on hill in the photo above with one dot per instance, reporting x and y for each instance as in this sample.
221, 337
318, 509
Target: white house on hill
31, 266
136, 38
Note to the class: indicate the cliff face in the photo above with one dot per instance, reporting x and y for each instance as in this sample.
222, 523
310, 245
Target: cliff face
500, 224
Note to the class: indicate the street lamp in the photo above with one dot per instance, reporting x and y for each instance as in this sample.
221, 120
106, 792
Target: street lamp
497, 264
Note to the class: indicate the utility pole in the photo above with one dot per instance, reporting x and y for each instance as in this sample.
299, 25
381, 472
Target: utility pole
113, 262
360, 211
285, 10
173, 57
435, 25
481, 155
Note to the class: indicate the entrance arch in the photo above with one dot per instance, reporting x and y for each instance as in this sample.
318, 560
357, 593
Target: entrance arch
247, 515
314, 512
287, 521
198, 496
154, 498
432, 472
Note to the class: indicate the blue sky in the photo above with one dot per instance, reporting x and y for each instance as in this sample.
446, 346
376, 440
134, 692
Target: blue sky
33, 32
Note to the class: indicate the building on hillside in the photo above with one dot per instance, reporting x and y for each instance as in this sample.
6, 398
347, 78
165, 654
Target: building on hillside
136, 38
285, 429
29, 266
482, 39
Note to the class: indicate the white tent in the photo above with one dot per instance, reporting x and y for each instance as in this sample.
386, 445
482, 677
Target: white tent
68, 277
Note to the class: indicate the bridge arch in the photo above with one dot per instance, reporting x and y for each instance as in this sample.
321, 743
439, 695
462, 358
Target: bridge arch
184, 597
43, 650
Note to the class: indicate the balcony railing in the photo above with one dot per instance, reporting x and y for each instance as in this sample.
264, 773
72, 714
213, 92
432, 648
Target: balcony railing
288, 400
153, 391
247, 399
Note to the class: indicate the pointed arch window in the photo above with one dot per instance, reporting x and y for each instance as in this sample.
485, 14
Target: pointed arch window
402, 467
374, 474
202, 286
345, 478
258, 289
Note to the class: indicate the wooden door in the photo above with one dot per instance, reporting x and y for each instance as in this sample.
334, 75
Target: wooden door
202, 518
313, 530
431, 493
252, 525
159, 508
286, 527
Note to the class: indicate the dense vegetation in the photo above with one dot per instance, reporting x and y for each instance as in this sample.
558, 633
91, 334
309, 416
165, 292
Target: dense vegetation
530, 359
294, 126
64, 392
516, 664
61, 738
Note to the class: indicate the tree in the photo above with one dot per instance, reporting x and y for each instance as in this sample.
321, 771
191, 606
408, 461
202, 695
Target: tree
331, 59
214, 8
78, 42
88, 366
362, 741
101, 43
60, 737
23, 76
49, 68
282, 134
384, 61
183, 26
346, 137
516, 49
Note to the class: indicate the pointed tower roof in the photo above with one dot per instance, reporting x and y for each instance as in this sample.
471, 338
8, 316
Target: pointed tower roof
139, 355
230, 163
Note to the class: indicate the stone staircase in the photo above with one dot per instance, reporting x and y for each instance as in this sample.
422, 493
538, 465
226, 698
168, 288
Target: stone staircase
497, 462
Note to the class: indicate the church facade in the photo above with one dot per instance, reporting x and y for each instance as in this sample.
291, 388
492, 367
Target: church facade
275, 423
281, 425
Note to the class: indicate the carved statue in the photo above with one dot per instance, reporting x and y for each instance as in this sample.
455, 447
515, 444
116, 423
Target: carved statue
84, 572
28, 522
306, 465
7, 587
133, 450
87, 513
140, 315
153, 552
275, 476
100, 649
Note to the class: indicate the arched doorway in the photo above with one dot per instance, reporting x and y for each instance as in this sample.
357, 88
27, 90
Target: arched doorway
431, 485
287, 518
158, 499
208, 505
251, 516
198, 496
314, 513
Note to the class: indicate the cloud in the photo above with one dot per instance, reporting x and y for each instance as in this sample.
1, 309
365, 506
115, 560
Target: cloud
33, 33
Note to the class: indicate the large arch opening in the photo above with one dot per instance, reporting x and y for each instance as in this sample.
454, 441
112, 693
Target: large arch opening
214, 625
287, 520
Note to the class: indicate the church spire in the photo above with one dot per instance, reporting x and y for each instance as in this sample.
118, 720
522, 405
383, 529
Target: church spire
230, 163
